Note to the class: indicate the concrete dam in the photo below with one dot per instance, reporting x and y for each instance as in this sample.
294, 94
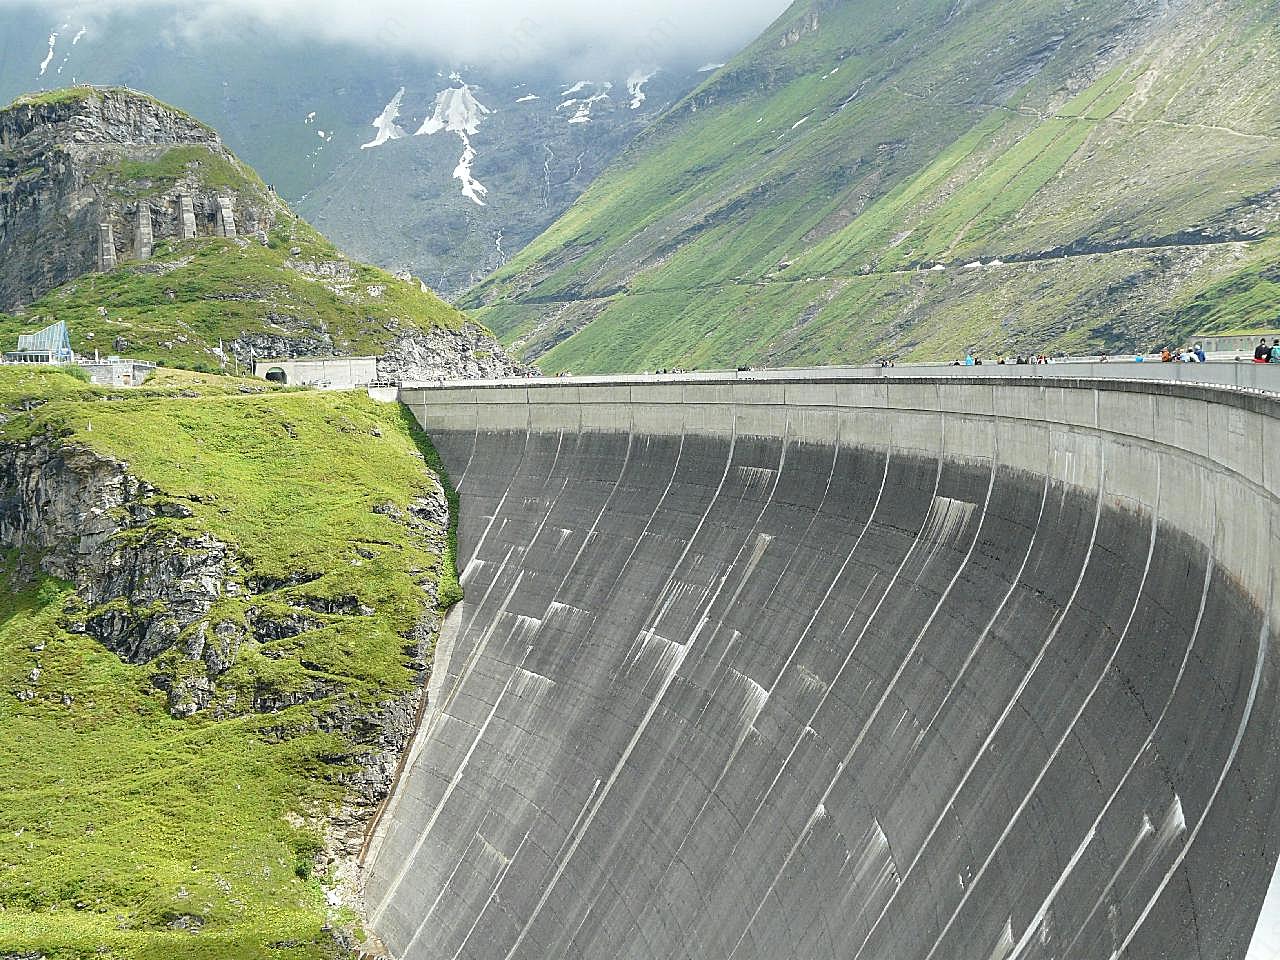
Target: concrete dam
922, 668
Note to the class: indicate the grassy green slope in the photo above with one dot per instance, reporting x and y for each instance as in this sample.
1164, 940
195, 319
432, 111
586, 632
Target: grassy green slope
175, 308
796, 208
121, 828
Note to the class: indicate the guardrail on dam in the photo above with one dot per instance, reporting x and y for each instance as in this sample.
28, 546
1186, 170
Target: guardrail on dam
923, 668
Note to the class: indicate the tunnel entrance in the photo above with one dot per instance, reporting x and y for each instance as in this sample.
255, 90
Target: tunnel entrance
277, 375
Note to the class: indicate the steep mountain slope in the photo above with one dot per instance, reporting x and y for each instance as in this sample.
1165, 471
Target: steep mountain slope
923, 177
161, 243
299, 110
535, 147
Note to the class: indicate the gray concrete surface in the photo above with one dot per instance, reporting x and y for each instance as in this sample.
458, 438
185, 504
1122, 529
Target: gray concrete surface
325, 373
1246, 376
921, 669
116, 372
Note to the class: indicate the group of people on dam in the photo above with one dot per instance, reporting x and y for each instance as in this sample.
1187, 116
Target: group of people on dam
1194, 354
1267, 354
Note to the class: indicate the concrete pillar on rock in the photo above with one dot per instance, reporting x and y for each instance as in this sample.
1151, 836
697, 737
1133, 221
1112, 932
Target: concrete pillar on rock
186, 218
225, 221
106, 248
144, 238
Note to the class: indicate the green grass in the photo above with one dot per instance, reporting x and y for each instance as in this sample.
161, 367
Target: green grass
175, 308
77, 94
1248, 299
214, 171
25, 388
931, 134
126, 820
52, 97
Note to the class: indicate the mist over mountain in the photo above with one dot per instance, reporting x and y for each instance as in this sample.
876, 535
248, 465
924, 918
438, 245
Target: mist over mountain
296, 94
490, 34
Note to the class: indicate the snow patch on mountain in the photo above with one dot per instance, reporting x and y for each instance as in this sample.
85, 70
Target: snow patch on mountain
385, 123
458, 111
48, 59
472, 188
635, 86
708, 67
582, 106
66, 57
528, 98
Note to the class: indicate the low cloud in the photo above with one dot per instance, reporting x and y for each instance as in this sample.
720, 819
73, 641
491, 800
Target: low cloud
489, 32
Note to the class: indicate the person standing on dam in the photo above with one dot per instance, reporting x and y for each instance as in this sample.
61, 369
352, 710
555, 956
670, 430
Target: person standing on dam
1262, 353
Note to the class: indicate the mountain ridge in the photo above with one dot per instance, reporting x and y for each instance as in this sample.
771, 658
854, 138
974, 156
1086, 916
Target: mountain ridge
134, 223
299, 110
917, 182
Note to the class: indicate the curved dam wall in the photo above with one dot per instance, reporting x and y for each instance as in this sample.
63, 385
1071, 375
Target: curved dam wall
919, 669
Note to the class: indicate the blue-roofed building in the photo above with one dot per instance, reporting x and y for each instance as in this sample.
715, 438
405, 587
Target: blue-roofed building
50, 345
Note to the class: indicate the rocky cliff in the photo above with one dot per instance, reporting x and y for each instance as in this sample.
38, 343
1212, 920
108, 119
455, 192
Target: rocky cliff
133, 223
147, 585
67, 509
90, 178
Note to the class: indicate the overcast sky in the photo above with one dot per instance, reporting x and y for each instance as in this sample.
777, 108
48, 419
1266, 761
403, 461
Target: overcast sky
640, 32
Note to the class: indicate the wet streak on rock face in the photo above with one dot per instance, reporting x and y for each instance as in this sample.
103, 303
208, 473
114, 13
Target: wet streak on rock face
756, 698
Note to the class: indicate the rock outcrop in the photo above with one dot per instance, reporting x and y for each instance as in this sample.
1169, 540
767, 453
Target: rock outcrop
146, 586
142, 587
93, 177
108, 180
409, 355
442, 354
